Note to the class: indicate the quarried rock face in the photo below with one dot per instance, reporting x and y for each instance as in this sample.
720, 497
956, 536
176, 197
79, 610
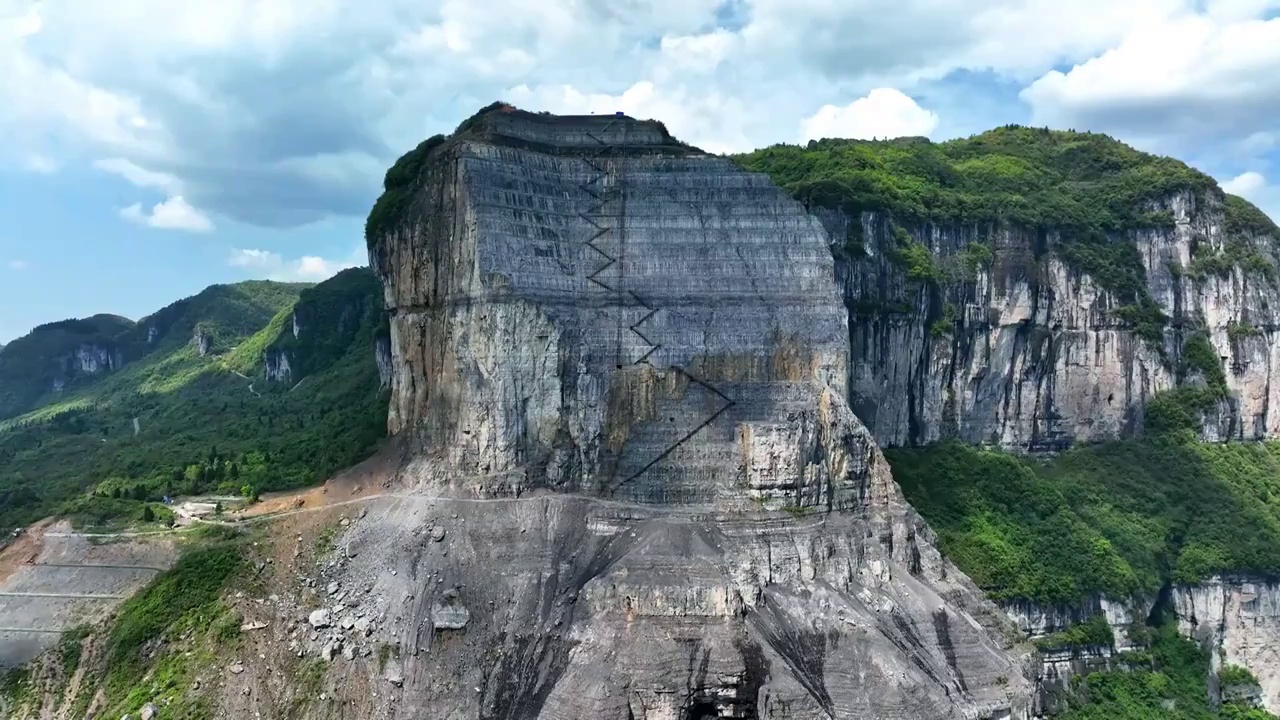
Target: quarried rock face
585, 306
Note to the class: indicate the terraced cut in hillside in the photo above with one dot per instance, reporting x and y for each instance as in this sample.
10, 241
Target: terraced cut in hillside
53, 580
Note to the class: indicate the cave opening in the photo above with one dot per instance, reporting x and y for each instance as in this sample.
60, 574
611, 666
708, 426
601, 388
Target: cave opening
702, 710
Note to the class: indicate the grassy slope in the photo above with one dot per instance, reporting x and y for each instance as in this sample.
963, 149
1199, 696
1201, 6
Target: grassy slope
154, 646
1118, 518
202, 428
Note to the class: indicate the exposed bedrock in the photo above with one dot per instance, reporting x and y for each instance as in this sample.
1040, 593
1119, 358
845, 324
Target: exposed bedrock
579, 608
1238, 619
1032, 355
585, 306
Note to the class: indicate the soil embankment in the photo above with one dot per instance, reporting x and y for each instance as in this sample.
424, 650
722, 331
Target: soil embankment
52, 579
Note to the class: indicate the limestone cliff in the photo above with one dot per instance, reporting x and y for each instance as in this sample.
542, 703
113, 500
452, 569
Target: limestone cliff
1236, 619
1032, 289
1030, 353
328, 321
1239, 619
618, 360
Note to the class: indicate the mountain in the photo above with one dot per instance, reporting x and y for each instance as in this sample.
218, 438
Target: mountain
637, 398
1062, 295
186, 399
1033, 289
58, 354
59, 358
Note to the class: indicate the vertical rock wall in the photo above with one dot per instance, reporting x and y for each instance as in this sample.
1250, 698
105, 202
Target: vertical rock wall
1038, 358
584, 305
574, 318
1238, 619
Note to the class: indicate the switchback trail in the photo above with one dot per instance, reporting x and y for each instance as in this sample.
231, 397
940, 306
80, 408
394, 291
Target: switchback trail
246, 377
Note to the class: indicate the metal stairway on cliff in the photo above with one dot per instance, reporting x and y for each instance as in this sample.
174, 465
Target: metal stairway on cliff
603, 228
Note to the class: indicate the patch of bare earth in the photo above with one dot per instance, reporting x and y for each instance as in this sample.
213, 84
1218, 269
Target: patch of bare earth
23, 550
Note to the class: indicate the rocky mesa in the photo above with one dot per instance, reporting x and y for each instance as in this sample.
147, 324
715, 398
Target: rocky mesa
620, 364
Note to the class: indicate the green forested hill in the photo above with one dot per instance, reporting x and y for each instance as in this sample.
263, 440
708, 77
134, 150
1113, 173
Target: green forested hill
1083, 184
42, 366
1119, 518
203, 422
32, 364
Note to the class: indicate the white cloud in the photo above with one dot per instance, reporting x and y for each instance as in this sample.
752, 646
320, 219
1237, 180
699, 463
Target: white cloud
1180, 80
711, 121
883, 113
309, 268
1259, 143
18, 264
1256, 188
699, 53
41, 164
230, 105
172, 214
139, 176
1245, 184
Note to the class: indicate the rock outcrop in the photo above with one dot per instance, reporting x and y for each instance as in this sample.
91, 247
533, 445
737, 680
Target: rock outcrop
88, 359
202, 341
620, 366
277, 365
1032, 355
1238, 619
340, 316
1038, 620
1059, 665
58, 356
382, 356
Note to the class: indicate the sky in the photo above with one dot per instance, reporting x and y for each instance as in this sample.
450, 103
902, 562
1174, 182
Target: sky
152, 148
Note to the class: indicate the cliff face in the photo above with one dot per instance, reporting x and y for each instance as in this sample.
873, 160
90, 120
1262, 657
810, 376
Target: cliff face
585, 306
1239, 619
1029, 353
54, 356
326, 323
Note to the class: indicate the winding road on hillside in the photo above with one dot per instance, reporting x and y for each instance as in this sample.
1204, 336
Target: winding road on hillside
246, 377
